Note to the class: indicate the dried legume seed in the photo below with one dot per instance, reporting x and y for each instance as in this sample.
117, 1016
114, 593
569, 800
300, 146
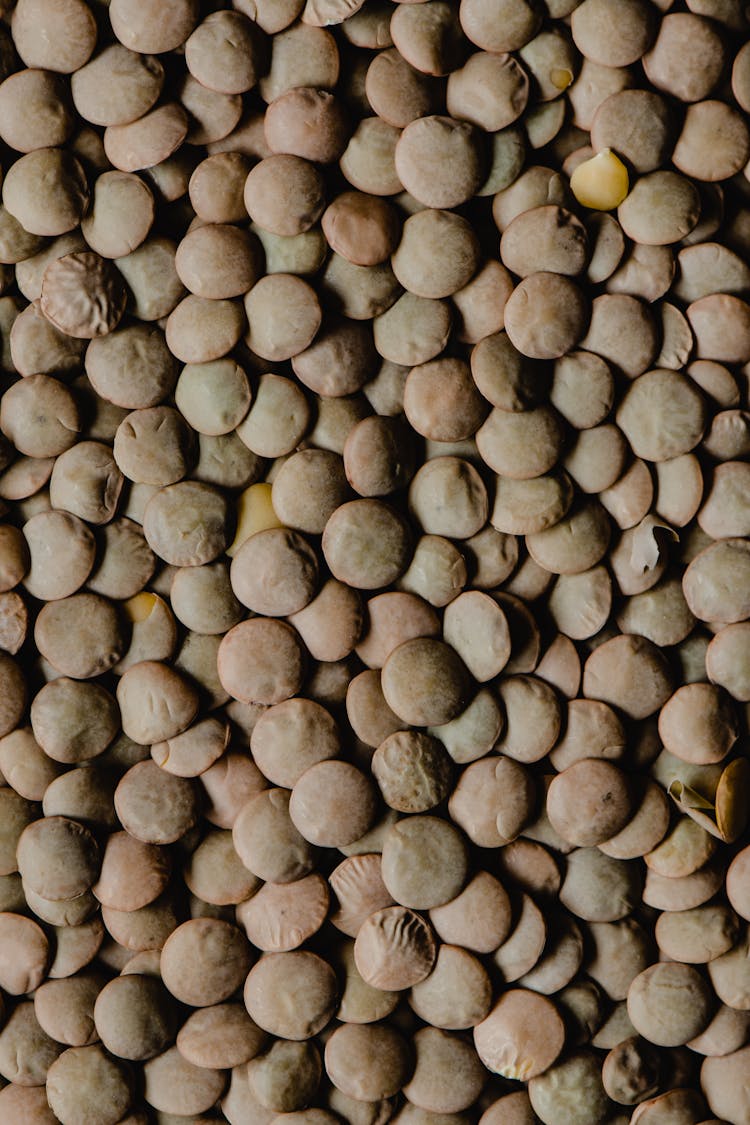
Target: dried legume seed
253, 314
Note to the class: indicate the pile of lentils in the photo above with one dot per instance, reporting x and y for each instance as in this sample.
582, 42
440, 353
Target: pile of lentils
374, 562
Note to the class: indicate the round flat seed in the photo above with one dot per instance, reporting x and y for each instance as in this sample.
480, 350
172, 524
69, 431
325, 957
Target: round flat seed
427, 148
24, 954
726, 662
687, 57
224, 53
359, 889
589, 802
173, 703
86, 1083
155, 806
368, 1063
366, 544
503, 25
456, 995
476, 627
660, 209
397, 91
548, 238
697, 936
613, 44
714, 582
486, 902
394, 949
333, 804
412, 771
629, 673
511, 1044
122, 215
669, 1003
174, 1085
67, 539
637, 123
556, 1093
662, 414
575, 543
622, 331
116, 86
147, 141
279, 918
489, 90
532, 718
185, 523
270, 339
204, 961
308, 123
425, 682
267, 841
218, 260
492, 801
730, 141
58, 857
546, 315
521, 445
36, 110
291, 995
83, 295
448, 497
222, 1034
646, 829
698, 724
413, 330
133, 1017
736, 884
410, 848
289, 558
41, 417
73, 721
151, 28
46, 191
261, 661
81, 636
133, 873
291, 736
201, 329
448, 1075
528, 506
719, 1081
